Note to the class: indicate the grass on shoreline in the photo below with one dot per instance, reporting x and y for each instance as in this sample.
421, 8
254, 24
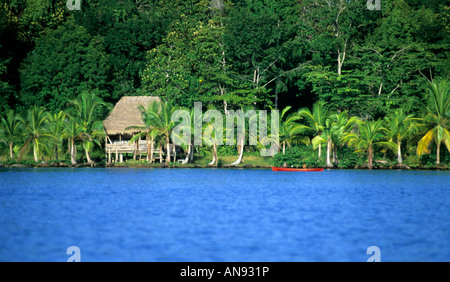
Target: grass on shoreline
202, 161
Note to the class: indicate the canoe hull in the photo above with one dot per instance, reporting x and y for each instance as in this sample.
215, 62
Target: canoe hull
295, 169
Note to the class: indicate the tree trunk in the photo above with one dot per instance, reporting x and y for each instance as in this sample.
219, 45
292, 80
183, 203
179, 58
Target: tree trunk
438, 155
276, 94
168, 150
150, 151
188, 154
11, 150
284, 147
88, 157
160, 154
214, 152
174, 153
56, 152
191, 155
334, 155
241, 155
370, 152
35, 151
73, 152
320, 150
329, 164
399, 152
147, 141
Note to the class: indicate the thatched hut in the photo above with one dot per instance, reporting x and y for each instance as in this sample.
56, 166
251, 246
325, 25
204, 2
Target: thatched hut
125, 114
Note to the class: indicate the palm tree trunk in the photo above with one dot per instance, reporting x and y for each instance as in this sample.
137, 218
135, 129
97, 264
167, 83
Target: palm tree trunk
329, 164
191, 155
88, 157
73, 152
35, 151
160, 154
399, 152
284, 147
214, 152
241, 155
320, 150
11, 150
188, 155
151, 151
370, 156
438, 155
148, 147
335, 154
56, 152
168, 150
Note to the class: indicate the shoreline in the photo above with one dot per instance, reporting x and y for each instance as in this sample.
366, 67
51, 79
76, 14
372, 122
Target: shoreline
194, 166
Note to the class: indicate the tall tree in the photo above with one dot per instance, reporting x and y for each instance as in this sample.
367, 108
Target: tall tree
160, 116
291, 131
36, 131
87, 105
262, 41
73, 132
57, 130
371, 134
64, 63
11, 130
148, 131
399, 126
315, 119
437, 119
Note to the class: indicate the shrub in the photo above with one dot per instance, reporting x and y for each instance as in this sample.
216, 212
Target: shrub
297, 157
347, 158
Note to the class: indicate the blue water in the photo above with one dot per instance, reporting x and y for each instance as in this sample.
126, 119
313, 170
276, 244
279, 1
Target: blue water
223, 215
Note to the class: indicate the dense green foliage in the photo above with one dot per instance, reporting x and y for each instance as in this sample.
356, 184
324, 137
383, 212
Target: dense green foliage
368, 67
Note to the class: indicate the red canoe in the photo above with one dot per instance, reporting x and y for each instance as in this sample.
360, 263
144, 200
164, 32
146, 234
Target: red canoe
296, 169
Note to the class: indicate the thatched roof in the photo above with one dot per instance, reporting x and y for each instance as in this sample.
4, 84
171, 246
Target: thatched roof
126, 114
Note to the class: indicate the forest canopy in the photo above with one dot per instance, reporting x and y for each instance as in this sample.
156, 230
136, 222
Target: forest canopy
225, 53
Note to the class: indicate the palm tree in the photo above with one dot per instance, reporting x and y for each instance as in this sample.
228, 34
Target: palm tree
189, 148
437, 119
87, 105
333, 129
290, 130
10, 130
315, 119
160, 116
370, 135
241, 121
342, 124
325, 137
399, 126
148, 131
72, 131
212, 134
57, 129
36, 131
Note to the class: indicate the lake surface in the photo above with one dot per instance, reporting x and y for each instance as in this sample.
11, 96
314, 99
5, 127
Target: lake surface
223, 215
